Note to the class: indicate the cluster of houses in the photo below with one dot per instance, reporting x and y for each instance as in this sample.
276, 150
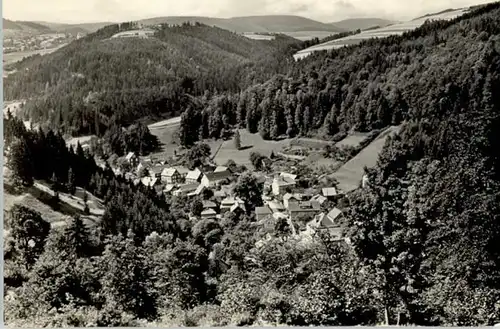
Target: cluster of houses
175, 180
284, 203
281, 199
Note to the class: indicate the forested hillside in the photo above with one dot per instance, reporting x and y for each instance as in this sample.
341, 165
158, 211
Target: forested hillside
365, 87
97, 80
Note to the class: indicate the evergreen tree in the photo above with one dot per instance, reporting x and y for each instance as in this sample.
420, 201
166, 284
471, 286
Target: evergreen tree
77, 238
21, 162
71, 184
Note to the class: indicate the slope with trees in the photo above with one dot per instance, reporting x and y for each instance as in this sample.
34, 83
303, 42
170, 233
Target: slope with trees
98, 80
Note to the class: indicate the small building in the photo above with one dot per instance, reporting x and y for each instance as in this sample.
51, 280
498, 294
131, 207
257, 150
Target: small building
183, 171
276, 206
150, 181
171, 176
198, 191
229, 202
214, 178
132, 159
319, 199
168, 188
262, 212
282, 185
329, 192
335, 215
185, 189
194, 176
209, 204
142, 166
156, 171
220, 195
221, 169
303, 208
208, 213
238, 208
291, 198
325, 222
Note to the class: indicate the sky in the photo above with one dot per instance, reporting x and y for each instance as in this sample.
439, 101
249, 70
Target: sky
82, 11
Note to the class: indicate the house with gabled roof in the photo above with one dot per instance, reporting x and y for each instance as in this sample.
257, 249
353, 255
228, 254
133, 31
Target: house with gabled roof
319, 199
208, 213
156, 171
194, 176
238, 208
132, 159
214, 178
209, 204
168, 188
282, 185
142, 165
198, 190
220, 195
171, 176
227, 203
327, 222
303, 208
262, 212
185, 189
221, 169
329, 192
291, 198
182, 170
150, 181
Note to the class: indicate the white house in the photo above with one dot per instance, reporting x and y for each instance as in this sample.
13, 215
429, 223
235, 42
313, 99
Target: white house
212, 179
281, 184
194, 176
171, 176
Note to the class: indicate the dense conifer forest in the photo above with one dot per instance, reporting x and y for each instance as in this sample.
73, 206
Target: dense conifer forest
422, 234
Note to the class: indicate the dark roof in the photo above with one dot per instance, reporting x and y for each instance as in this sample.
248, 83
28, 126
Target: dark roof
306, 206
263, 211
188, 187
157, 169
209, 204
215, 176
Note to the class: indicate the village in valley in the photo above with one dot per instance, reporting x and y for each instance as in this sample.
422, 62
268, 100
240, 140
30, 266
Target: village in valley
298, 198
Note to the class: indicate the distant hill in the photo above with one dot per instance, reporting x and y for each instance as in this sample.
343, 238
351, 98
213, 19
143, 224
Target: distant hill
353, 24
23, 26
76, 28
268, 23
438, 13
131, 78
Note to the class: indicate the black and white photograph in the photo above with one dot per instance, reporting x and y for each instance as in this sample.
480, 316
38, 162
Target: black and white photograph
261, 163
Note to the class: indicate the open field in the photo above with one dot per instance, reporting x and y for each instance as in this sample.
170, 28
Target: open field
38, 198
350, 174
308, 35
255, 36
394, 29
353, 140
14, 57
249, 143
